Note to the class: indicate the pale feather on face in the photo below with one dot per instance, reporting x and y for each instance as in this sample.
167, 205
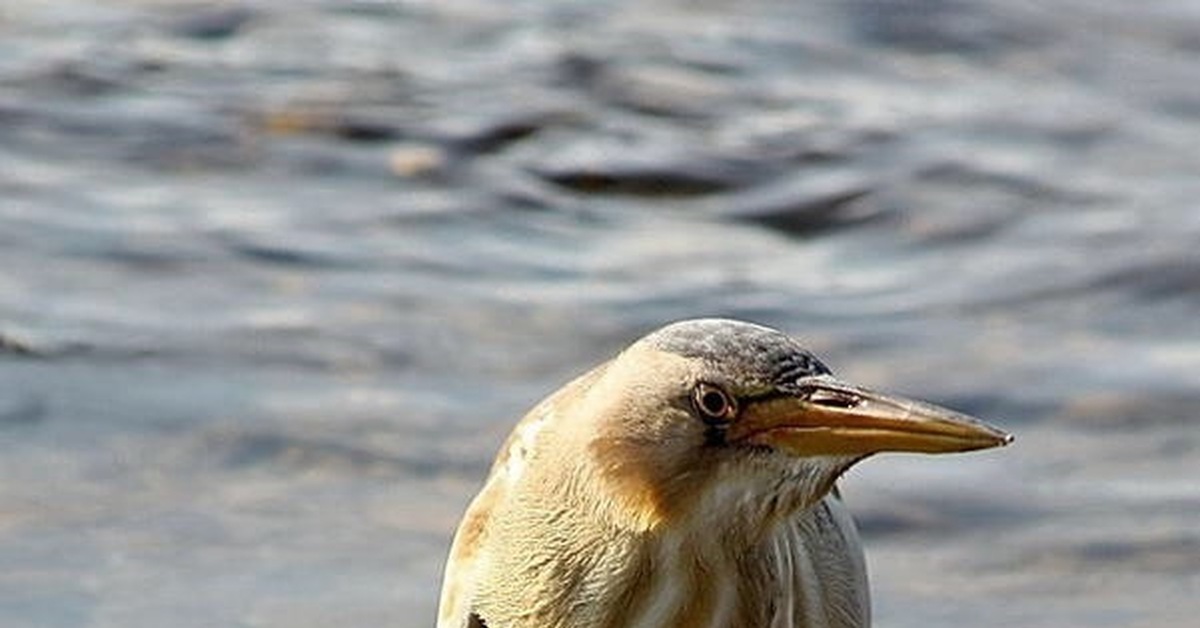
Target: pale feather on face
661, 459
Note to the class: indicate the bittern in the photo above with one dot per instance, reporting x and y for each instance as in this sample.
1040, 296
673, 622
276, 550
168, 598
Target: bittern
687, 482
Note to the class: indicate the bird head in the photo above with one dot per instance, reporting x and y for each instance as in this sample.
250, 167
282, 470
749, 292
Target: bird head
725, 422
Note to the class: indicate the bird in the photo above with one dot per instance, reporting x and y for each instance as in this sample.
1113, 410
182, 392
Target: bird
690, 481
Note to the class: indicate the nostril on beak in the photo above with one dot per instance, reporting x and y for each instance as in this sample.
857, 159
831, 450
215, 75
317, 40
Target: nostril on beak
831, 399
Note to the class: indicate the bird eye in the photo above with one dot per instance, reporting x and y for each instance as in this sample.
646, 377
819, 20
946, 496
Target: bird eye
713, 403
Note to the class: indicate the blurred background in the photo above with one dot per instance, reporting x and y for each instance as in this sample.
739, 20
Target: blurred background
277, 276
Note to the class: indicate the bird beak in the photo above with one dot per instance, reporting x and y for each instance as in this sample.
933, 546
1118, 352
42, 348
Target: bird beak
832, 418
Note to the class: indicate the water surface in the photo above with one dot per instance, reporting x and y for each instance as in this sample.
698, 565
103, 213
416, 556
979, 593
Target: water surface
277, 277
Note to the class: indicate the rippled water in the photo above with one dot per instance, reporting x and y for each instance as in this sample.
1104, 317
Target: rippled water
277, 277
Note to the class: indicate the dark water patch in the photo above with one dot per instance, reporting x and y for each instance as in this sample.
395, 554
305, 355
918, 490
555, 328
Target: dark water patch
371, 9
295, 350
1002, 408
289, 255
620, 171
299, 349
342, 117
935, 228
809, 146
1172, 554
490, 136
81, 79
958, 174
177, 526
282, 255
1180, 555
944, 26
523, 192
91, 350
1165, 279
880, 523
219, 147
241, 449
647, 182
160, 136
1137, 283
13, 116
957, 203
920, 517
358, 128
806, 205
315, 349
211, 22
1077, 130
28, 410
578, 68
140, 257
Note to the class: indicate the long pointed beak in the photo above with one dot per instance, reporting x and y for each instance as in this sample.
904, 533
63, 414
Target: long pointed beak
830, 417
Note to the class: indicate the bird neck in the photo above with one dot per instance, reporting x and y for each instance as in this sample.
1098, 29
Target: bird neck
682, 575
